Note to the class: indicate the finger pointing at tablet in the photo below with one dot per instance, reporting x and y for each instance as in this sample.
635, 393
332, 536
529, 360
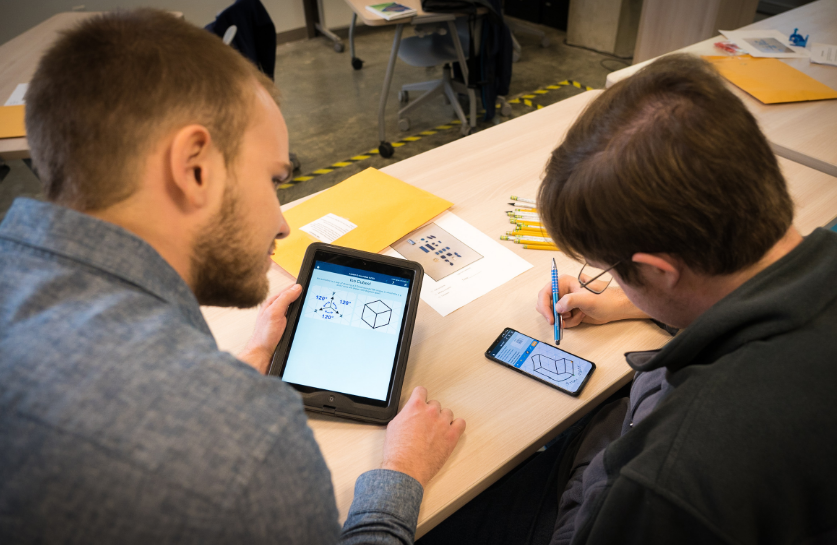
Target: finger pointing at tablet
421, 437
270, 325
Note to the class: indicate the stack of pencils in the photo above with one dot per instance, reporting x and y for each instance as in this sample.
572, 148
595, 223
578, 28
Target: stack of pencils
528, 229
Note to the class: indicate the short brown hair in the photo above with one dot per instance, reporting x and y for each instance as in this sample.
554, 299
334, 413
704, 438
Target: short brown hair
667, 160
108, 89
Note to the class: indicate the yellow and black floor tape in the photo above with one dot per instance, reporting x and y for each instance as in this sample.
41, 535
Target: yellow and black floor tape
526, 100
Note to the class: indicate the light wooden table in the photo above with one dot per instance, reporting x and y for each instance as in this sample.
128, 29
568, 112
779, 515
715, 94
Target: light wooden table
803, 131
509, 416
19, 59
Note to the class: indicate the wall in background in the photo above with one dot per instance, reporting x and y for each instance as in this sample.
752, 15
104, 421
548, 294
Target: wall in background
19, 16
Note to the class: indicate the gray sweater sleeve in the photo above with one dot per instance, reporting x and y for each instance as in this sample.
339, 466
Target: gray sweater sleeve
385, 509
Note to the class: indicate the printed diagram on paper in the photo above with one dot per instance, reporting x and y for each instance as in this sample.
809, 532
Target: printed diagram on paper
364, 311
439, 252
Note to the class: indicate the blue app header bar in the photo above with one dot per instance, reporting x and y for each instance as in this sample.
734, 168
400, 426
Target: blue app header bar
360, 273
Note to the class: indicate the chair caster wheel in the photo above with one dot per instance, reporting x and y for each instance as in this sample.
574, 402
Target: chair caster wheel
386, 150
465, 130
404, 124
338, 47
403, 97
294, 161
357, 64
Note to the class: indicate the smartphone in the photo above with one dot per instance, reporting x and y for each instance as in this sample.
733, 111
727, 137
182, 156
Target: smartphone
541, 361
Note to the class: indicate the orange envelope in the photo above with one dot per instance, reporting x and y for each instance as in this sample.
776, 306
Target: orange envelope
770, 80
11, 122
383, 208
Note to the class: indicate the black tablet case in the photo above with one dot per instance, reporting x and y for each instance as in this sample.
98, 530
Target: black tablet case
335, 403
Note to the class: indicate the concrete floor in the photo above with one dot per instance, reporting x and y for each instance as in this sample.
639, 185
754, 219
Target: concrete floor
331, 109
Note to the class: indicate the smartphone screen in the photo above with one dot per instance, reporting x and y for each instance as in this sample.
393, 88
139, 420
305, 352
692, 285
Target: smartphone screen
541, 361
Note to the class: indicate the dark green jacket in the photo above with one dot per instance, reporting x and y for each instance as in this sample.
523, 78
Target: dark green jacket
743, 449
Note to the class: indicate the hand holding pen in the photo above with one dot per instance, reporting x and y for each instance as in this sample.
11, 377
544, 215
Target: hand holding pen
577, 305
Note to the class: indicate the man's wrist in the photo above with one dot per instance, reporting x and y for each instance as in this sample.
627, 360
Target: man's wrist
257, 357
400, 469
629, 311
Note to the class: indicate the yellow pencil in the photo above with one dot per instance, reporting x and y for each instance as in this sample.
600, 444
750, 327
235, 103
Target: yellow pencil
530, 231
536, 224
527, 239
540, 247
526, 220
521, 199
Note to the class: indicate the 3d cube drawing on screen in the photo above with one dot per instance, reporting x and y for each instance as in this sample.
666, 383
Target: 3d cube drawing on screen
376, 314
557, 370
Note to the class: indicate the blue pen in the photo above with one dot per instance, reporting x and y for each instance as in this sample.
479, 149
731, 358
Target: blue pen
559, 321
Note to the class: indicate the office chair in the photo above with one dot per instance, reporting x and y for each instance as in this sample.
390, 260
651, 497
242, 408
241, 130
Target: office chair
433, 45
439, 44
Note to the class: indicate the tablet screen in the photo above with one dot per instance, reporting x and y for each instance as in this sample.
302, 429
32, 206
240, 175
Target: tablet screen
347, 335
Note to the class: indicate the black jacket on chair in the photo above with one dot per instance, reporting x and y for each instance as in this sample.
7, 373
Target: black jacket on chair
255, 37
490, 69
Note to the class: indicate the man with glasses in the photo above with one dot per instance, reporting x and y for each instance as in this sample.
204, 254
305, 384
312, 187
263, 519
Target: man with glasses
669, 193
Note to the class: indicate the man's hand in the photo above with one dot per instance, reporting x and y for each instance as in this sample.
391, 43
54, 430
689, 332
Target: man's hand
578, 304
269, 328
421, 437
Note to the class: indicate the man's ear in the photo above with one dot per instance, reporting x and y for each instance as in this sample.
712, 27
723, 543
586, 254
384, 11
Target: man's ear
194, 164
660, 270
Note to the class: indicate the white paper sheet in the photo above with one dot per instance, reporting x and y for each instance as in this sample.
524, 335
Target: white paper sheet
17, 95
497, 266
328, 228
824, 54
765, 43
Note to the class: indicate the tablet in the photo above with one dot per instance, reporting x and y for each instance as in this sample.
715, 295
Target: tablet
346, 344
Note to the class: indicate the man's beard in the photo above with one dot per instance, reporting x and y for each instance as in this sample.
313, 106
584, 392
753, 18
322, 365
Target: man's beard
224, 272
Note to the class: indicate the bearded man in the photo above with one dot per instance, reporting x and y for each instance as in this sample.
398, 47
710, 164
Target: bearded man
160, 150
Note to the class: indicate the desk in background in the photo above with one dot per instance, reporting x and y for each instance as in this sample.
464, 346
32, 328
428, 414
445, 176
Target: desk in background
19, 59
508, 415
803, 131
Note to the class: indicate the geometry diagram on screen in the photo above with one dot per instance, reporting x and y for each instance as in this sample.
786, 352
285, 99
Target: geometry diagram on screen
557, 370
376, 314
329, 307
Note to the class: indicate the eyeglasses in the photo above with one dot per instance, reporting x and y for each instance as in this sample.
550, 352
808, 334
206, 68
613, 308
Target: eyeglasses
601, 277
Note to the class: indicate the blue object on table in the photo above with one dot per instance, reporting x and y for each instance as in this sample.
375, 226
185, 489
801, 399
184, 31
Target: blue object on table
797, 39
559, 329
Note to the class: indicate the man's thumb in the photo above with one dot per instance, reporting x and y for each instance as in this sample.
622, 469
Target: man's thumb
565, 304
